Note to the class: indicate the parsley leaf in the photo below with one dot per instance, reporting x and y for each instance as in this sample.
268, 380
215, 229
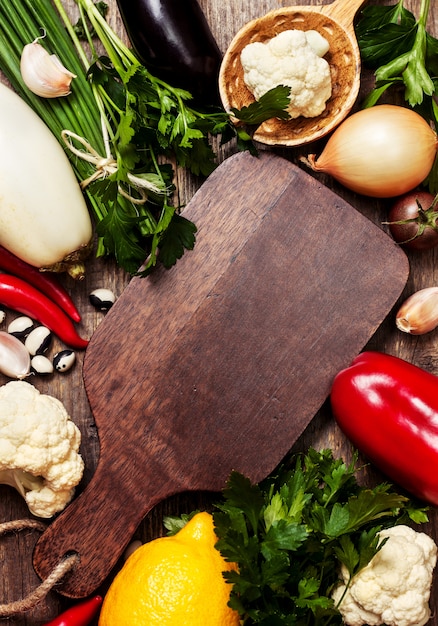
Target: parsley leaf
173, 524
393, 42
150, 124
402, 53
290, 533
355, 558
384, 32
178, 236
271, 104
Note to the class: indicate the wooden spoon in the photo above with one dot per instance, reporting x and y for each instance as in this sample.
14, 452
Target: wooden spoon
333, 21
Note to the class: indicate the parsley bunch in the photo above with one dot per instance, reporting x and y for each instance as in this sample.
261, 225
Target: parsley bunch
145, 120
397, 46
122, 114
290, 533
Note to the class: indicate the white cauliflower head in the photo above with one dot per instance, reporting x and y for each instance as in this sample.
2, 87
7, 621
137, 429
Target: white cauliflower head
292, 58
39, 447
394, 588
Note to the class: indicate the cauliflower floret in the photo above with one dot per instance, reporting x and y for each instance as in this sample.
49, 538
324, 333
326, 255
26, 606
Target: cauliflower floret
39, 447
394, 588
292, 58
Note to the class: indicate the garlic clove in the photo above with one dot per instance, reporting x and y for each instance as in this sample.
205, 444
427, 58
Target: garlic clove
43, 73
14, 358
419, 313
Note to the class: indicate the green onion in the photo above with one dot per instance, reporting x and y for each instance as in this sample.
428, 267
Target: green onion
122, 129
120, 224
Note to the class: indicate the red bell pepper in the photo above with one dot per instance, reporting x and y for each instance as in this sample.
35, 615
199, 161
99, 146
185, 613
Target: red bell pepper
388, 409
79, 615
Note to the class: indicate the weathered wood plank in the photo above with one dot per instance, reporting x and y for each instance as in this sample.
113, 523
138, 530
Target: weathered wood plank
18, 577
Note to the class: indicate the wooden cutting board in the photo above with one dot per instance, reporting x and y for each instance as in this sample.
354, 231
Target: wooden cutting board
221, 362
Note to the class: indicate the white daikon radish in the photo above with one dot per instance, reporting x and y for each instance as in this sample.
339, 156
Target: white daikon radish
44, 219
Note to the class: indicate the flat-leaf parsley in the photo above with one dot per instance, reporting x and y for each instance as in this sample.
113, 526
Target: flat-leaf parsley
396, 45
290, 533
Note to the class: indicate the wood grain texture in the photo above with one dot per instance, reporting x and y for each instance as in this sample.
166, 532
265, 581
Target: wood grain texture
247, 333
18, 576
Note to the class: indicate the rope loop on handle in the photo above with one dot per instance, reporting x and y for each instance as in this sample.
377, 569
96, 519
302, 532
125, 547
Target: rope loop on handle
37, 595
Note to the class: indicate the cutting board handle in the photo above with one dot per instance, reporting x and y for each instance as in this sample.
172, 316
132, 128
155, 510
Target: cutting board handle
138, 464
100, 521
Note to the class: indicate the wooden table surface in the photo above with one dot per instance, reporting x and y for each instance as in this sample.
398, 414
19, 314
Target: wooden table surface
17, 577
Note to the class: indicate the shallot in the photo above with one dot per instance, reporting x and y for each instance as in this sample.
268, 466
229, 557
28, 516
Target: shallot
413, 220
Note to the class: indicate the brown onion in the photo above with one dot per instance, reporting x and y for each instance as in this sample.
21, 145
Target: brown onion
384, 151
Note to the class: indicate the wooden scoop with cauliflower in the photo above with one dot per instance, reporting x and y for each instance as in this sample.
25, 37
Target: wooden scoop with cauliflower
293, 58
39, 447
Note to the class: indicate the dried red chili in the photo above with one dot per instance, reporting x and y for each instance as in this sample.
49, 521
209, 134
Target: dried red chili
18, 295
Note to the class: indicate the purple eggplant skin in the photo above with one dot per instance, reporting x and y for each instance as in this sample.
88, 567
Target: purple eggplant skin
172, 38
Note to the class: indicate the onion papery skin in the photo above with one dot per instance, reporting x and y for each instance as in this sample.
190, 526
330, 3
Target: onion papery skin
383, 152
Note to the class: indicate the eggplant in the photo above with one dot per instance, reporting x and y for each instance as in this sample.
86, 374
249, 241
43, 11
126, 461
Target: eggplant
173, 40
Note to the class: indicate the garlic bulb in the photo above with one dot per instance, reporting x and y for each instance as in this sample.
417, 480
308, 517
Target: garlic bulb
43, 73
419, 313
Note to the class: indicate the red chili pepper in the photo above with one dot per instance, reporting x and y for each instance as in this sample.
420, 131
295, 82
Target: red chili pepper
18, 295
388, 408
79, 615
44, 281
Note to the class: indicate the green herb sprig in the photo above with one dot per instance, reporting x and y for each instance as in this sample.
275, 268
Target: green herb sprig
396, 45
290, 533
137, 122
